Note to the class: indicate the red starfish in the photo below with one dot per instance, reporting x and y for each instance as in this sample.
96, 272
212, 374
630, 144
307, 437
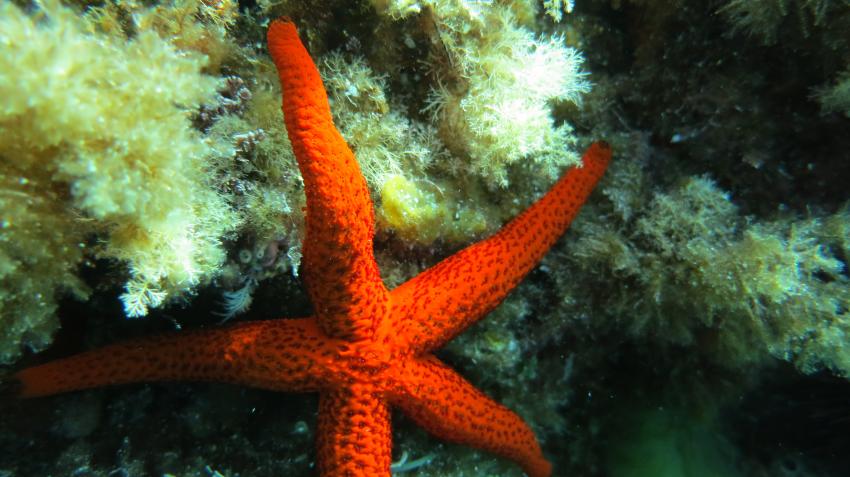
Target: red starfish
366, 348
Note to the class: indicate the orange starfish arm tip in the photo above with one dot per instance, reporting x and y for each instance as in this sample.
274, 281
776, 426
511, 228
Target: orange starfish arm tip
446, 405
339, 265
282, 355
441, 302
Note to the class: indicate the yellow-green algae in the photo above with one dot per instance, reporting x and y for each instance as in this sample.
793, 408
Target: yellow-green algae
97, 125
123, 162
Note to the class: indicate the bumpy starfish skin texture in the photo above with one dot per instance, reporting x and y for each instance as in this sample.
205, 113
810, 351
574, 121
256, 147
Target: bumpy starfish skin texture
366, 348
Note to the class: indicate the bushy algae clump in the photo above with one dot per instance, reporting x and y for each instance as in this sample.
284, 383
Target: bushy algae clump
494, 83
97, 142
736, 290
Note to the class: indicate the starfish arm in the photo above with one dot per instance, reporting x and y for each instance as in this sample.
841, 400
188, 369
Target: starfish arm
283, 355
444, 300
354, 434
339, 266
443, 403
